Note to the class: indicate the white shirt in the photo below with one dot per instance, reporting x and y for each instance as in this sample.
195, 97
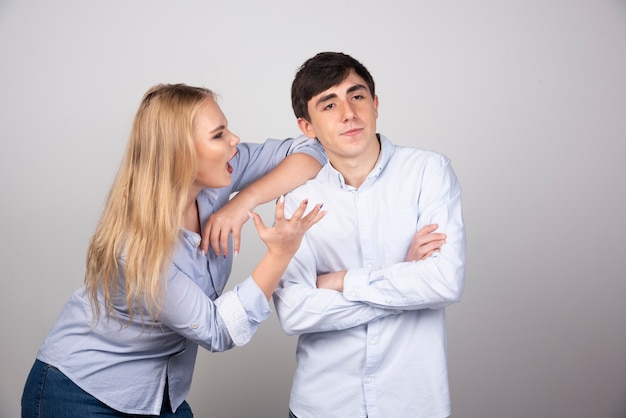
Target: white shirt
379, 348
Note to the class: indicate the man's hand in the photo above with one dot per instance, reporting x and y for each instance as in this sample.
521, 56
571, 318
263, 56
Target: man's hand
425, 243
333, 281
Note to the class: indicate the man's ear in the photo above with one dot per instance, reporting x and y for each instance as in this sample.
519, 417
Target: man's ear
376, 105
306, 128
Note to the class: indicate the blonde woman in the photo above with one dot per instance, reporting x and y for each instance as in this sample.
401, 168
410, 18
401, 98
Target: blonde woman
126, 342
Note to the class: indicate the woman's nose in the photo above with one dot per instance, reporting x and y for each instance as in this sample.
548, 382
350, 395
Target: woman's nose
234, 140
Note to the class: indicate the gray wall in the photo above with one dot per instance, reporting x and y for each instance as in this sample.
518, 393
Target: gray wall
528, 98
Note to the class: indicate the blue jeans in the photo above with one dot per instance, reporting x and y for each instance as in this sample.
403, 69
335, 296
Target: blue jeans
48, 393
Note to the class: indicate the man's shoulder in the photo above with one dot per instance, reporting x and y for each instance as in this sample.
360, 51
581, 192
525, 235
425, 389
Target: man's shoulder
319, 187
413, 152
419, 154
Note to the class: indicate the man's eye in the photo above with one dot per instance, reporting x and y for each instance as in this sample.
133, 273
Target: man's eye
329, 106
359, 96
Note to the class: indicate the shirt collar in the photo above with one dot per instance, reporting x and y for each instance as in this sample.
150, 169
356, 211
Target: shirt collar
386, 151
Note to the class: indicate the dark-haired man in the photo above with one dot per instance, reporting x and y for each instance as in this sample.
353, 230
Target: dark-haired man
367, 289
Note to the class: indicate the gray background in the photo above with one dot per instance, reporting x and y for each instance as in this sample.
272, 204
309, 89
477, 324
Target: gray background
528, 99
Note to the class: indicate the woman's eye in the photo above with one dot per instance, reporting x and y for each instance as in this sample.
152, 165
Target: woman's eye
219, 135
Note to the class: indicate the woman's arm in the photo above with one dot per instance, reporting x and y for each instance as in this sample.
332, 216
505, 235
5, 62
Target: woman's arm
237, 309
282, 241
294, 170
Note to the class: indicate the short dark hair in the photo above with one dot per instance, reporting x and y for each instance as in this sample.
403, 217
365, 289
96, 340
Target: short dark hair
321, 72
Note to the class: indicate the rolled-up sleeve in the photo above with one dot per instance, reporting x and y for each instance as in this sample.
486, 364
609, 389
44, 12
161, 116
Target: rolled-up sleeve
217, 325
242, 310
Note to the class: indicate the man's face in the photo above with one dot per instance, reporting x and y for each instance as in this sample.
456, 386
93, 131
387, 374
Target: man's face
343, 118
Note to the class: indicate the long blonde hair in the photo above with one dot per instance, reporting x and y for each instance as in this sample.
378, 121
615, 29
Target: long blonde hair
143, 211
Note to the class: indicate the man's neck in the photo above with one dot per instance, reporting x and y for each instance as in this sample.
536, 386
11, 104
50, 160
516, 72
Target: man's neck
355, 170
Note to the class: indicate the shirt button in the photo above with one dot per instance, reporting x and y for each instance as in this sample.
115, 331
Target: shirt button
369, 266
194, 325
372, 342
368, 380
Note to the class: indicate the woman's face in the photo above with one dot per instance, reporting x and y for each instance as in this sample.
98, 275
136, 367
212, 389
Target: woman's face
215, 146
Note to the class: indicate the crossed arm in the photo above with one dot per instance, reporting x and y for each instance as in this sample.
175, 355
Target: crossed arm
428, 274
425, 242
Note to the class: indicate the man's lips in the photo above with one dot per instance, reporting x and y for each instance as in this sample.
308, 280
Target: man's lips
352, 132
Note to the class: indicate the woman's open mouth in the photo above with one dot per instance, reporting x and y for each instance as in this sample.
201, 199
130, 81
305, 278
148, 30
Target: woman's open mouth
229, 167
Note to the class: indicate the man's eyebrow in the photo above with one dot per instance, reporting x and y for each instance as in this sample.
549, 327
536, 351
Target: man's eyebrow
325, 98
352, 89
356, 87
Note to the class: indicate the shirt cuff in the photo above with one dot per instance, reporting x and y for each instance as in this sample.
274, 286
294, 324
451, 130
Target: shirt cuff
355, 284
242, 310
254, 301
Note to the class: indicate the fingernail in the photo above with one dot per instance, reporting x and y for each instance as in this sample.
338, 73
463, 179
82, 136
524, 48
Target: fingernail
249, 214
321, 205
236, 253
281, 198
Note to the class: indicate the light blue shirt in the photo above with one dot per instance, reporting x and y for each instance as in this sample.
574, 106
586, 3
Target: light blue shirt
379, 348
126, 367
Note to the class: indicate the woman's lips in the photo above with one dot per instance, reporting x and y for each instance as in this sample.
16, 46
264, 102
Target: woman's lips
229, 167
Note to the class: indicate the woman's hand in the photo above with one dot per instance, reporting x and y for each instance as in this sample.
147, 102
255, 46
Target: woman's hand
282, 241
228, 219
425, 243
285, 236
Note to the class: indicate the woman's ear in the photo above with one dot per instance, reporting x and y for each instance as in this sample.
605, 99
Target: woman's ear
306, 128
